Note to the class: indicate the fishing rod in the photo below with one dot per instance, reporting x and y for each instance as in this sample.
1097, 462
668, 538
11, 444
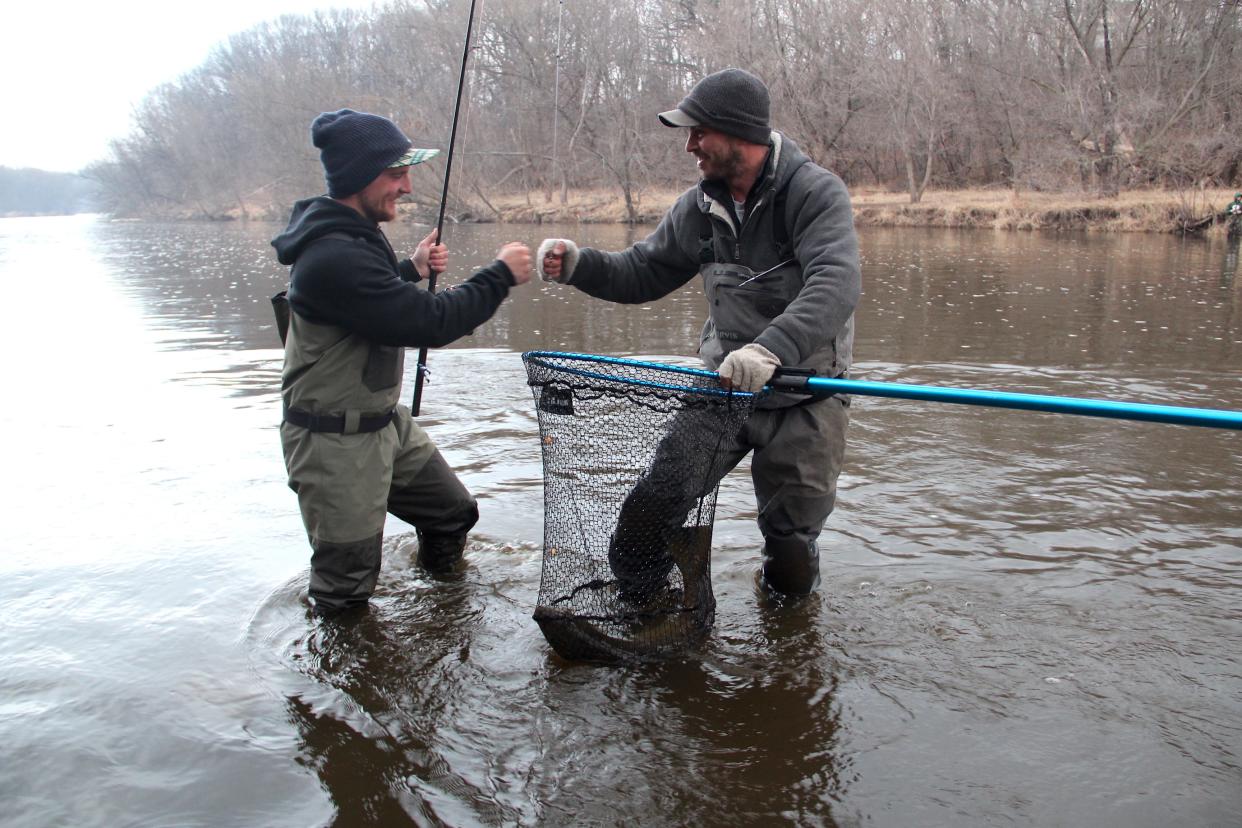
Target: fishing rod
422, 370
821, 387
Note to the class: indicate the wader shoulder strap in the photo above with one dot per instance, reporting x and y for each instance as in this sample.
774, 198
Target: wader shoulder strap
780, 221
280, 307
707, 254
280, 302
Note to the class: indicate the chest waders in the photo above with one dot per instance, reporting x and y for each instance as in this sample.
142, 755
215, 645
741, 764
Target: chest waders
354, 455
798, 445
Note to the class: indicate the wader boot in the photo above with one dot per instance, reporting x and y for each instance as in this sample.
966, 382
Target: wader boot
790, 565
440, 554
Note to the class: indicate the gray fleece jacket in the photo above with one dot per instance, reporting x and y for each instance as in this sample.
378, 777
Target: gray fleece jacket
805, 308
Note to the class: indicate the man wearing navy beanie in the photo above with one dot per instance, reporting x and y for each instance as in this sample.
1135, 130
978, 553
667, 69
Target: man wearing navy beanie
771, 234
352, 452
355, 147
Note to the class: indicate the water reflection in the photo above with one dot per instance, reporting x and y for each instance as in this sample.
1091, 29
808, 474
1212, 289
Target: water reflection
1229, 272
438, 706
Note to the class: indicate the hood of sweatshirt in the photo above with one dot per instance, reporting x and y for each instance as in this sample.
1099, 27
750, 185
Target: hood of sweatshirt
313, 218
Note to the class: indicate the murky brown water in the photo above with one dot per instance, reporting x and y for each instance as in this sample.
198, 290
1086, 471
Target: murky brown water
1026, 619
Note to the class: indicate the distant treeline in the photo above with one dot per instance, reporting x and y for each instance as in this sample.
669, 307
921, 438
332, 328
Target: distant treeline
1060, 95
26, 192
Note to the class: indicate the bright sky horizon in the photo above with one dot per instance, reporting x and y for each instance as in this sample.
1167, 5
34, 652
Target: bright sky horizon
71, 74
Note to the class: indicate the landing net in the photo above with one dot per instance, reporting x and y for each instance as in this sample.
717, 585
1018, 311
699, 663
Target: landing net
632, 454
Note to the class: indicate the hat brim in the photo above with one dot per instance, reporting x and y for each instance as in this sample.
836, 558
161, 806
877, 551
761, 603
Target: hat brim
414, 156
678, 118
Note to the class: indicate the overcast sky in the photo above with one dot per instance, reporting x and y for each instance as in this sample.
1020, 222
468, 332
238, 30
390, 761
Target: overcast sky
72, 71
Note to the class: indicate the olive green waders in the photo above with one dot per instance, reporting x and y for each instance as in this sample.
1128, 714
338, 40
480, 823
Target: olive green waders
353, 455
395, 470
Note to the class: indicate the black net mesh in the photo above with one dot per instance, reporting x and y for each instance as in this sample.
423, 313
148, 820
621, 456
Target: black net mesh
632, 454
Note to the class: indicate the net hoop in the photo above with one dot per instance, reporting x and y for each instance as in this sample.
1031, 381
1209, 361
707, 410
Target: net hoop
564, 362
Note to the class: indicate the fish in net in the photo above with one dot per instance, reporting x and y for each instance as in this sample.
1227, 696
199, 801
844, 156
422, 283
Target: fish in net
632, 455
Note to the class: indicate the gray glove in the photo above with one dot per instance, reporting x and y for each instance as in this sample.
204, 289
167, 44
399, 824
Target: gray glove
748, 368
562, 268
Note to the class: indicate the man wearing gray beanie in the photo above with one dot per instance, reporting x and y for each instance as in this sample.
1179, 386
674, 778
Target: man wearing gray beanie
352, 453
772, 235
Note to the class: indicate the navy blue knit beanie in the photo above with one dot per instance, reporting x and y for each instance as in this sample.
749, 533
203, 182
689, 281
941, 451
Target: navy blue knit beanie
355, 147
732, 100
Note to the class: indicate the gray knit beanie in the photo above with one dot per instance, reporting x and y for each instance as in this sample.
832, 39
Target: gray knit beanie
355, 147
732, 100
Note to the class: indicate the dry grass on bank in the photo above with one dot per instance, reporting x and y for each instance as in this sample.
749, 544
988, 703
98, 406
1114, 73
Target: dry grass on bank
584, 206
1161, 211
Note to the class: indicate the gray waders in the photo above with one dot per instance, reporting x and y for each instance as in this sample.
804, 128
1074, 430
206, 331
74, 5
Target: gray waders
798, 445
798, 454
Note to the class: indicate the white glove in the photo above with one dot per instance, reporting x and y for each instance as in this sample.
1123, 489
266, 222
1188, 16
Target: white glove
562, 266
748, 368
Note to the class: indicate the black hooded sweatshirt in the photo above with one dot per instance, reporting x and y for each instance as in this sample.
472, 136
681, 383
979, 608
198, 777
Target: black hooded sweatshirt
354, 280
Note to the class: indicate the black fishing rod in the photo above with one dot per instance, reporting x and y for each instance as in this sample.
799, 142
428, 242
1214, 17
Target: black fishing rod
448, 169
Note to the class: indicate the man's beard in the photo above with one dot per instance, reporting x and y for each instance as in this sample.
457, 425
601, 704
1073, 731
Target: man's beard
725, 166
377, 210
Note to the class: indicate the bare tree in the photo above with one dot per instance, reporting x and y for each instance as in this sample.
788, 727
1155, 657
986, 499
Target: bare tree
562, 95
1104, 33
911, 79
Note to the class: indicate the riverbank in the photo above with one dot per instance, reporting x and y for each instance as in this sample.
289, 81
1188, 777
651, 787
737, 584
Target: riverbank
1152, 211
1192, 212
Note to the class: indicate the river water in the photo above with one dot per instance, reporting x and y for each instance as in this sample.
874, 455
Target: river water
1026, 619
